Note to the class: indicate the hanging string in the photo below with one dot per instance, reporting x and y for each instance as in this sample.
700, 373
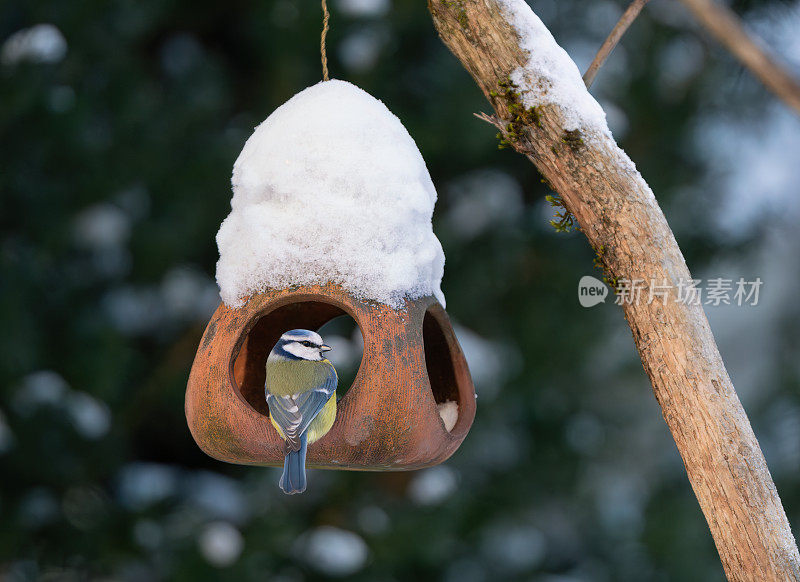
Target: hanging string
322, 49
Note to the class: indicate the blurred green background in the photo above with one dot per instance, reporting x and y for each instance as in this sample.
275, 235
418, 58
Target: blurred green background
120, 121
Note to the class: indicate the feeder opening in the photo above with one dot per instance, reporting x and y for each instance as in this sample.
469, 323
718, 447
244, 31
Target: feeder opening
441, 364
344, 336
335, 325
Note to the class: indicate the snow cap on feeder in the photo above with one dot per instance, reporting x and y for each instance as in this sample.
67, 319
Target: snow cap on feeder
331, 188
331, 215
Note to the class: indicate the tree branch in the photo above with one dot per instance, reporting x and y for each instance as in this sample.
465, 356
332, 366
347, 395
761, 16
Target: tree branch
621, 219
726, 27
613, 39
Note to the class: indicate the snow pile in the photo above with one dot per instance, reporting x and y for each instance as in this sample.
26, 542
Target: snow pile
449, 413
331, 188
550, 76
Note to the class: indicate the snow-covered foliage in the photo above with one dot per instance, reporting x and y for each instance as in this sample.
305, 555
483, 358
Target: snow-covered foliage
42, 43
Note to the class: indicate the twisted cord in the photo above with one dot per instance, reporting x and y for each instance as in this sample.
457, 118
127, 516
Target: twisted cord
322, 48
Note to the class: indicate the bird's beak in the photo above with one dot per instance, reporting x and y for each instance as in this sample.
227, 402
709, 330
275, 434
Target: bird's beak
324, 348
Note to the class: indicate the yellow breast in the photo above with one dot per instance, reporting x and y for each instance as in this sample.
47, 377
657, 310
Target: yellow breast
286, 377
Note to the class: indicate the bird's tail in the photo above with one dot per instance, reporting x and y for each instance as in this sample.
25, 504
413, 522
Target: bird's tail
293, 479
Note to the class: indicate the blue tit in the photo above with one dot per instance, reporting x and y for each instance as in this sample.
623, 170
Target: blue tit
301, 395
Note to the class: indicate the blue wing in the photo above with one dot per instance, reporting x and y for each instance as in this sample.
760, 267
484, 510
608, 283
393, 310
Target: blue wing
295, 412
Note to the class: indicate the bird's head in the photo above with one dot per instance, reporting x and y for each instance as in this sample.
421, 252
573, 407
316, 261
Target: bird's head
300, 344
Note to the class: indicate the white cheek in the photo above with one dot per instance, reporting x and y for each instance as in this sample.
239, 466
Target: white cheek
294, 349
302, 351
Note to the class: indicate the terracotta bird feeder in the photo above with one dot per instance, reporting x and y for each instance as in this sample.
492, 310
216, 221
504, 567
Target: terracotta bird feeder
387, 420
331, 187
